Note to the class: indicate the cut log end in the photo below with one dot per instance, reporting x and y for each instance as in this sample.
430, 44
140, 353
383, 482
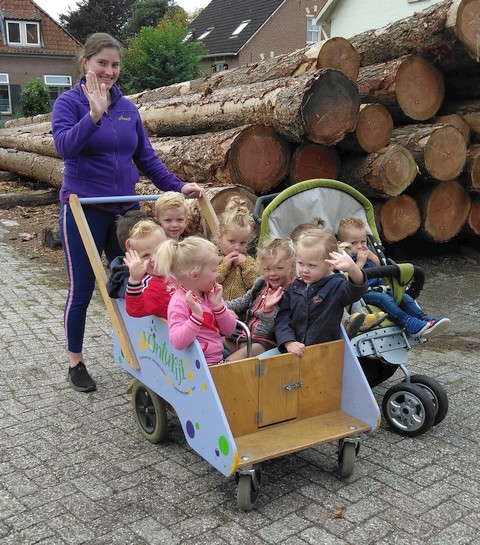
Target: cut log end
445, 153
467, 26
259, 158
399, 218
340, 54
474, 216
398, 170
374, 127
330, 108
312, 161
419, 88
445, 211
457, 121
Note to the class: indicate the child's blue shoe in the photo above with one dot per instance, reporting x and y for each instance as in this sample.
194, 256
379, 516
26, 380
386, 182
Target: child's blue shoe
414, 326
439, 325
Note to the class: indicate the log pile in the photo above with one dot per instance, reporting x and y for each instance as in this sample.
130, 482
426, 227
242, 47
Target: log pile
390, 112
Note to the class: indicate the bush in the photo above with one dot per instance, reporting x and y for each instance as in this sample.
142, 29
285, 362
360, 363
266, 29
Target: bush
34, 99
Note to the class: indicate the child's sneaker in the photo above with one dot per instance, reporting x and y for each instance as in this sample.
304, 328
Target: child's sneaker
353, 324
437, 326
414, 326
372, 320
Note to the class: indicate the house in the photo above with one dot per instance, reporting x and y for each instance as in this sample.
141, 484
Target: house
346, 18
237, 33
33, 45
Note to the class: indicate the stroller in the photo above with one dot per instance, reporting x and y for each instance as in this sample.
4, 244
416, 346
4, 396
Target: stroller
418, 402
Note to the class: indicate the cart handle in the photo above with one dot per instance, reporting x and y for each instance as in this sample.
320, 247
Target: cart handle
205, 205
248, 335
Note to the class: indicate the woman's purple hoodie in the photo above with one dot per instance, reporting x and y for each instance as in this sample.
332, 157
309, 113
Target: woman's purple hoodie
102, 159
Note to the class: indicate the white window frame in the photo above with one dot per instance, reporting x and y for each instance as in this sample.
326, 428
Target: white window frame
239, 28
23, 33
4, 80
55, 81
206, 33
313, 30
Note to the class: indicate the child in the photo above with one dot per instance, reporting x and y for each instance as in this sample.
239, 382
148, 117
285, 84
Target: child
276, 259
196, 309
147, 293
117, 283
358, 320
408, 314
237, 271
171, 213
312, 306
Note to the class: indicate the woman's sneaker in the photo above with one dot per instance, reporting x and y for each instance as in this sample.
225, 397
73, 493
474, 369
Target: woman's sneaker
80, 379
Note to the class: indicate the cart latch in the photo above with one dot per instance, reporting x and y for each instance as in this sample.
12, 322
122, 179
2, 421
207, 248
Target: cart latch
292, 386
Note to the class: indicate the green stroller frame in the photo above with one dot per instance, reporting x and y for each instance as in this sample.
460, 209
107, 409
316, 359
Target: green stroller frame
419, 402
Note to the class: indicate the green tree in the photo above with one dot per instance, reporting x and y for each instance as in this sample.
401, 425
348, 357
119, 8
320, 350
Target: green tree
34, 99
91, 16
160, 56
146, 13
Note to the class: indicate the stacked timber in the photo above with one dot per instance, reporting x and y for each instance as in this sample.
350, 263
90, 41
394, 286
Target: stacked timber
394, 112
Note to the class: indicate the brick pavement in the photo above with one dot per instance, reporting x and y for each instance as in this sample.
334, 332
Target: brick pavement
74, 470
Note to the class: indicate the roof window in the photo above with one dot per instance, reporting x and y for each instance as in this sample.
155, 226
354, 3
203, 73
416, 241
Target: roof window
206, 33
239, 28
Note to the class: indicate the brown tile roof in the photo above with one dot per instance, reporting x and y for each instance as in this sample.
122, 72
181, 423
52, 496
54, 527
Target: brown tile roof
54, 39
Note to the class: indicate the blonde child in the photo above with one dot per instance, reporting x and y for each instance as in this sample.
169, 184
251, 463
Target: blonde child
358, 320
146, 293
312, 306
171, 213
407, 313
237, 271
197, 309
276, 259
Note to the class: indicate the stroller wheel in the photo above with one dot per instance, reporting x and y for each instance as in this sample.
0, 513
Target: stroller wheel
408, 409
150, 413
436, 392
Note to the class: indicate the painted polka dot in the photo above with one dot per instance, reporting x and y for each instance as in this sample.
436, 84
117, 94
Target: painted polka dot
190, 429
223, 445
197, 364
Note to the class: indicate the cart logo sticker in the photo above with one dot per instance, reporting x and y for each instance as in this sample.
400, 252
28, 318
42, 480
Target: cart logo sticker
178, 367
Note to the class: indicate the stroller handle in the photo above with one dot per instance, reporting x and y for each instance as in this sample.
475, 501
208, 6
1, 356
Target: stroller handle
393, 271
260, 203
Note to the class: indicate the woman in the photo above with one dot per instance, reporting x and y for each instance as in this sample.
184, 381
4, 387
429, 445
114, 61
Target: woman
100, 136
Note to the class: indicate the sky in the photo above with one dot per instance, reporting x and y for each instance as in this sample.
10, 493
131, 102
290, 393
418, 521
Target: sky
55, 7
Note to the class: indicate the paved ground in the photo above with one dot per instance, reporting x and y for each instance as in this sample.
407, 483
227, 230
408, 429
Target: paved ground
74, 470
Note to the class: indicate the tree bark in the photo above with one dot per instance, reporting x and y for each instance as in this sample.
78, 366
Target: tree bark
28, 198
384, 173
40, 167
444, 208
399, 218
468, 110
409, 86
254, 156
442, 33
31, 120
372, 131
440, 151
34, 138
312, 161
335, 53
322, 107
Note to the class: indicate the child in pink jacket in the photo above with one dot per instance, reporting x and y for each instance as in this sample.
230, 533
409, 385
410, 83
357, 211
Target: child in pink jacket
197, 309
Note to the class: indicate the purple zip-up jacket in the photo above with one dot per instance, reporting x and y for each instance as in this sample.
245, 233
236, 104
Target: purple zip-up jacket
102, 159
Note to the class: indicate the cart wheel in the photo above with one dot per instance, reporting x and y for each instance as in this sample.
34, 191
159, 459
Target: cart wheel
408, 409
149, 412
437, 394
248, 487
347, 452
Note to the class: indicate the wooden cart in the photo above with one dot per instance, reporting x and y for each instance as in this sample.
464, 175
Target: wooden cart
240, 414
